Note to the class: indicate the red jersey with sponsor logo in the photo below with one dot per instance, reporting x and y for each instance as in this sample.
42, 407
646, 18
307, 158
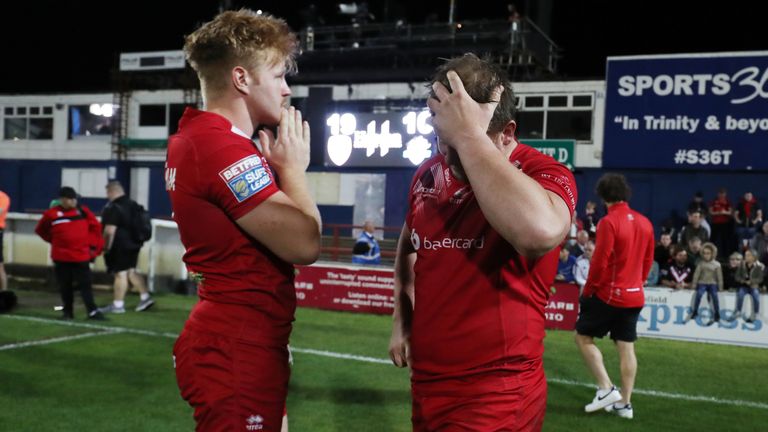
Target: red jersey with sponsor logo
215, 175
479, 304
622, 259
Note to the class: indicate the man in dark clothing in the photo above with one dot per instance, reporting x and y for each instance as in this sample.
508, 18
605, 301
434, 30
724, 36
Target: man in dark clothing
75, 238
121, 251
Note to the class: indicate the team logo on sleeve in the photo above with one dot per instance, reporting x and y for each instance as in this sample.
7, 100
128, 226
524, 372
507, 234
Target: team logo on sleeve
246, 177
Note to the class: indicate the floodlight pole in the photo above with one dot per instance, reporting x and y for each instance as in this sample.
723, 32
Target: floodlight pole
451, 10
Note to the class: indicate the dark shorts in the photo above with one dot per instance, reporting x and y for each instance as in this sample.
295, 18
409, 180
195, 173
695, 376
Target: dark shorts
118, 260
597, 318
233, 385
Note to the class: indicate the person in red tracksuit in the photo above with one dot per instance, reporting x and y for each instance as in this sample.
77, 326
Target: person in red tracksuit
613, 295
75, 237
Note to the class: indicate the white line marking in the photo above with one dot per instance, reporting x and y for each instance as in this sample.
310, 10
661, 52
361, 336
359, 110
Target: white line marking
53, 340
354, 357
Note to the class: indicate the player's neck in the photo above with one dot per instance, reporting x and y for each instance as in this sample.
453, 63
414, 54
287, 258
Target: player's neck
233, 110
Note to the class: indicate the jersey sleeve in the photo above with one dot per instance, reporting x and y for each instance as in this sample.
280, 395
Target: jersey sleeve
238, 179
555, 177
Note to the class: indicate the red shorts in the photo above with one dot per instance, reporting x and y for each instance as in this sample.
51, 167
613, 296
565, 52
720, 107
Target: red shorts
520, 406
233, 385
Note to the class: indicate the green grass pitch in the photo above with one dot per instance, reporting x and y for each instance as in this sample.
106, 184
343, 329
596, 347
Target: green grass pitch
118, 376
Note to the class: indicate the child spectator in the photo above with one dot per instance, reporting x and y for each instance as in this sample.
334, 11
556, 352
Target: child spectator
708, 278
729, 274
749, 277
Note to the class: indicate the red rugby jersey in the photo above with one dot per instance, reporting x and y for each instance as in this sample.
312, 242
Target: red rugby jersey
215, 175
479, 304
622, 259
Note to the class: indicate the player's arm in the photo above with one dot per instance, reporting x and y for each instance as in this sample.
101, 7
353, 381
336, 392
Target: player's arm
648, 257
109, 236
43, 228
288, 222
532, 219
399, 342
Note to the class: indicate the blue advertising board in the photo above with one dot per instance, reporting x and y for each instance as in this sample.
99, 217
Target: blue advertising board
687, 111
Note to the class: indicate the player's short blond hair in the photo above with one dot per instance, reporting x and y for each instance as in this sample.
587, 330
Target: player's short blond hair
239, 38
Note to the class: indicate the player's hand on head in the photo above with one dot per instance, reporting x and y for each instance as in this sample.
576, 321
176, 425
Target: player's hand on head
290, 149
457, 118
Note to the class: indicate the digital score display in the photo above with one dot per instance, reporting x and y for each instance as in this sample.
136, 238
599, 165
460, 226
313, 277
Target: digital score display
392, 139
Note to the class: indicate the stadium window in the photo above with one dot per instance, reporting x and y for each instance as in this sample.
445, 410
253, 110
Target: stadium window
152, 115
22, 123
534, 101
569, 124
91, 120
530, 124
582, 101
558, 101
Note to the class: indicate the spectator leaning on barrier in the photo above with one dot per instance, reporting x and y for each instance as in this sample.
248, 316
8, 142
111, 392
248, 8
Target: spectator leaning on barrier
366, 249
678, 274
729, 272
5, 204
75, 238
749, 277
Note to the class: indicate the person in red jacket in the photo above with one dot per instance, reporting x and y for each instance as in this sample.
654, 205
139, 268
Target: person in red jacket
613, 294
75, 238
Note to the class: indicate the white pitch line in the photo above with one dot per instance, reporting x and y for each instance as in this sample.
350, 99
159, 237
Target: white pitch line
52, 340
354, 357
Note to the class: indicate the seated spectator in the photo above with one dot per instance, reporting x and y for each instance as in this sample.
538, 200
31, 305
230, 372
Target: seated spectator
694, 251
747, 216
749, 277
708, 278
729, 272
661, 253
760, 244
678, 274
577, 249
698, 205
590, 218
653, 275
694, 228
721, 215
366, 249
565, 266
574, 231
581, 269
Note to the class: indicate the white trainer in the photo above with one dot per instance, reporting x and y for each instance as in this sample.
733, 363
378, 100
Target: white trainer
603, 398
623, 412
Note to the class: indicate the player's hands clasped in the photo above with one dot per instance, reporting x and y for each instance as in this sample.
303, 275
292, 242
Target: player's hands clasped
290, 150
458, 119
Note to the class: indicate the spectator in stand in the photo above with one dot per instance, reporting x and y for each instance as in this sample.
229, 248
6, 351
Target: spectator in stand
697, 204
581, 269
565, 266
694, 229
748, 216
708, 278
721, 218
760, 244
729, 273
366, 249
577, 249
661, 253
694, 251
576, 226
749, 277
590, 219
678, 274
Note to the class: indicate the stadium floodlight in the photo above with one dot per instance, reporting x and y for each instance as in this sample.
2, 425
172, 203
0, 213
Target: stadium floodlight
348, 8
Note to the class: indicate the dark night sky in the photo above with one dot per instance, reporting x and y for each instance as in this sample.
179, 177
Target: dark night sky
70, 46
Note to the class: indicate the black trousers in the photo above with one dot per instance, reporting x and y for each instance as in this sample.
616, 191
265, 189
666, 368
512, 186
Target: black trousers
72, 276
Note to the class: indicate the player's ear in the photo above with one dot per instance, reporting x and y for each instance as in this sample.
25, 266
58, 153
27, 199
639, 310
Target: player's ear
508, 133
240, 79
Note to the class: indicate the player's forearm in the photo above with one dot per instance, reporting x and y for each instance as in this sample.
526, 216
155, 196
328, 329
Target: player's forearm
294, 185
517, 207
